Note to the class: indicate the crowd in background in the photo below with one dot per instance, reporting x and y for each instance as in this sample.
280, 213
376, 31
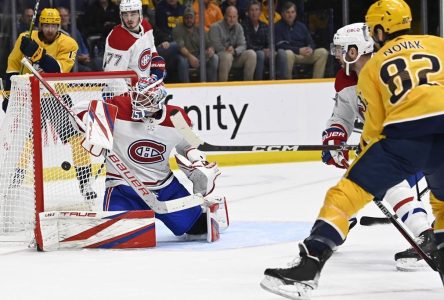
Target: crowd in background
237, 43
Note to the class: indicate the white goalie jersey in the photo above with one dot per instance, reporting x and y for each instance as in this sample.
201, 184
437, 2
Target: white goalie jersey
143, 145
126, 50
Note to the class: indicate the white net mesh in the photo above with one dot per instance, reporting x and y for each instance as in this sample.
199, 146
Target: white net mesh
72, 178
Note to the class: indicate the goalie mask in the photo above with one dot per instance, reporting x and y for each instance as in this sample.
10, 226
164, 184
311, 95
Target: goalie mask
356, 35
147, 97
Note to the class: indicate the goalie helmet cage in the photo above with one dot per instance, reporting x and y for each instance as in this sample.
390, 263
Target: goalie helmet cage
42, 164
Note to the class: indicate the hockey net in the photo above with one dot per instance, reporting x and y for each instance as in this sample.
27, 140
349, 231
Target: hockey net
43, 166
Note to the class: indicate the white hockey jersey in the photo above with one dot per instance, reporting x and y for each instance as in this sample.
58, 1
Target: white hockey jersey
126, 50
143, 145
347, 107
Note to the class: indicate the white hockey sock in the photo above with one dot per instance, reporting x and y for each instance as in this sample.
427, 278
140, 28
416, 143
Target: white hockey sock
411, 212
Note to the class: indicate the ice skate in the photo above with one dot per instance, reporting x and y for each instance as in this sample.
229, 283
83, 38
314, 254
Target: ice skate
300, 279
408, 260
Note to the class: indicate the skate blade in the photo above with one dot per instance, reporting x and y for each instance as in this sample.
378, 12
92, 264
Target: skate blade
297, 291
410, 264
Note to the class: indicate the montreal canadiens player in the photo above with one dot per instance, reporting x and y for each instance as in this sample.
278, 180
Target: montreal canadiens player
130, 45
340, 126
144, 137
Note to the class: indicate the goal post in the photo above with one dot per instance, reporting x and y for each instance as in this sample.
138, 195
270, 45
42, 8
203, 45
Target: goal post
42, 164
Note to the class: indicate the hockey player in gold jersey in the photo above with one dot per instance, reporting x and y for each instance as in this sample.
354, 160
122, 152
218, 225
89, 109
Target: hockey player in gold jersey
51, 51
401, 90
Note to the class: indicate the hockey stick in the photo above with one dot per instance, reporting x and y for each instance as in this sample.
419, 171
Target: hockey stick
160, 207
370, 221
31, 26
273, 148
394, 220
195, 141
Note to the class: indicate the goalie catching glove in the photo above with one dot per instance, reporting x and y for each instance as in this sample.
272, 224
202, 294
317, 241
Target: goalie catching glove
201, 173
335, 135
99, 125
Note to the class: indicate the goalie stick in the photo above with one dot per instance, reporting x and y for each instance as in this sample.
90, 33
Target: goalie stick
181, 125
160, 207
394, 220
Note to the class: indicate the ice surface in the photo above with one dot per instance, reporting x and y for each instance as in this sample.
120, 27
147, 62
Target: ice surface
271, 208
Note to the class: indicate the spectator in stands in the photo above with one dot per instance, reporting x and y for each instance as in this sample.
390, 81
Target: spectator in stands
25, 20
187, 37
227, 38
85, 63
299, 7
213, 13
149, 10
264, 13
100, 17
257, 38
241, 5
294, 37
169, 13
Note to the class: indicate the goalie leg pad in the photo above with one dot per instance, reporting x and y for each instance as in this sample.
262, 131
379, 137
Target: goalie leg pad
86, 229
123, 197
212, 224
221, 214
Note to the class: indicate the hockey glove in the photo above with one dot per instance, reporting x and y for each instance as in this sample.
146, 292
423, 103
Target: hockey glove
335, 135
201, 173
31, 49
158, 67
195, 155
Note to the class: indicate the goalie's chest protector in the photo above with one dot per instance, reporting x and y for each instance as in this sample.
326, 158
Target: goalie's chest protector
145, 146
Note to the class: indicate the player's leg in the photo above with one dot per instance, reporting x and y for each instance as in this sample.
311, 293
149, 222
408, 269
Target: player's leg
190, 221
434, 176
82, 164
375, 171
402, 198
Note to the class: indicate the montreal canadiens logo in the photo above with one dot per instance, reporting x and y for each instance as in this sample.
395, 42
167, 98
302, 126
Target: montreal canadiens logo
146, 152
144, 59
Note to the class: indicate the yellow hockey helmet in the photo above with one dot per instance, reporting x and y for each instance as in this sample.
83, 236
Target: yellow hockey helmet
50, 16
392, 15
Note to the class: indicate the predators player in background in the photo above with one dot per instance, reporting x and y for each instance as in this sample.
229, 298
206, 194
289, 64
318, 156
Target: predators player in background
402, 96
51, 51
349, 43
